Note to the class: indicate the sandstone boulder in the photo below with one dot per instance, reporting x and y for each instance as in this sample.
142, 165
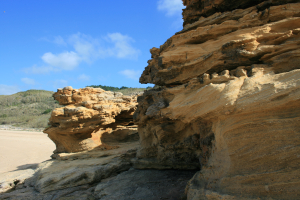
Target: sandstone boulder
91, 117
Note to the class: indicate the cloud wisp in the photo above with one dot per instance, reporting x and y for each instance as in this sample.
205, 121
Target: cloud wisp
131, 74
40, 69
122, 46
64, 61
83, 77
85, 48
172, 8
8, 89
28, 81
59, 41
56, 40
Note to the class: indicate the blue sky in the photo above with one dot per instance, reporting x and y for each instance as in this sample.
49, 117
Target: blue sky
51, 44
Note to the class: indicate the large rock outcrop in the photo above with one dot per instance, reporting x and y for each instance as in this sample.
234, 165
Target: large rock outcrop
91, 117
227, 100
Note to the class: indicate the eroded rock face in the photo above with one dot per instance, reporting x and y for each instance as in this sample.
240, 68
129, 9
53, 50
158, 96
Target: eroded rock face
196, 9
228, 101
91, 117
268, 37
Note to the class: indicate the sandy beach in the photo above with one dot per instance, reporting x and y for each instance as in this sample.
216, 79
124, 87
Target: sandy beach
22, 149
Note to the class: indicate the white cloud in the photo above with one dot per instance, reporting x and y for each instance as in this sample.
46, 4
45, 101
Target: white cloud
83, 77
113, 45
85, 46
56, 40
65, 61
8, 89
122, 46
171, 7
28, 81
131, 74
85, 49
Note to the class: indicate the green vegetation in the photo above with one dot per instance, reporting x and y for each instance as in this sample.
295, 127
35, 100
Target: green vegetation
47, 111
3, 116
30, 109
108, 88
123, 89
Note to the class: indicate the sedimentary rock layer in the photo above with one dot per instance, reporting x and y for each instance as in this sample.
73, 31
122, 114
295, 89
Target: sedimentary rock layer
74, 175
196, 9
226, 41
227, 100
90, 117
94, 175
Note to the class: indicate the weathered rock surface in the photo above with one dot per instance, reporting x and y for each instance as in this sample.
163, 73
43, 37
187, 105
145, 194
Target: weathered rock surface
269, 37
145, 184
9, 180
228, 101
196, 9
70, 175
90, 117
95, 174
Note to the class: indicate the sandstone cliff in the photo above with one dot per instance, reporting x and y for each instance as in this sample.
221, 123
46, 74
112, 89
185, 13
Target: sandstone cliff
228, 102
91, 117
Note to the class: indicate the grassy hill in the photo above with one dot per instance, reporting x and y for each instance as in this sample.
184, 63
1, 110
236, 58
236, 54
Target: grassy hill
32, 108
29, 109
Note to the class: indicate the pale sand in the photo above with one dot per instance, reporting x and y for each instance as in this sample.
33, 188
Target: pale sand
20, 149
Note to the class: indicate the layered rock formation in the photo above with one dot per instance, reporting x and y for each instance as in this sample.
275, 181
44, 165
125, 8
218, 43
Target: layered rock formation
228, 101
95, 174
91, 117
226, 104
196, 9
70, 173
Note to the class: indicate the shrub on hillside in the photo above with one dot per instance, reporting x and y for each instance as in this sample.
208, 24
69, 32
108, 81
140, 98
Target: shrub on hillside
47, 111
